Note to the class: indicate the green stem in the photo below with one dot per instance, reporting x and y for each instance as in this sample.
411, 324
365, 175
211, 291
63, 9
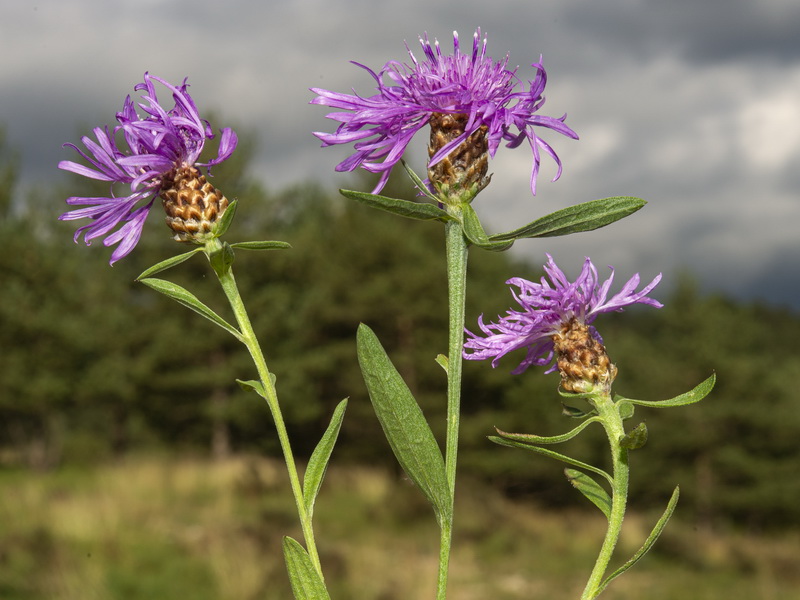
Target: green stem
612, 423
249, 339
456, 248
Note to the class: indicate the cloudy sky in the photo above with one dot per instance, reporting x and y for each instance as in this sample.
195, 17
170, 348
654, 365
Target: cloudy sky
693, 105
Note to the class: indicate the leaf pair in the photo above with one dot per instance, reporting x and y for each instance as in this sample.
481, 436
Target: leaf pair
574, 219
221, 261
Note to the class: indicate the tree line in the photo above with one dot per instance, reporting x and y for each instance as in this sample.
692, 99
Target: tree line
95, 365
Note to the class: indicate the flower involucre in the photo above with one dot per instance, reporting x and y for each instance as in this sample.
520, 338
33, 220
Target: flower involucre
485, 92
156, 150
552, 311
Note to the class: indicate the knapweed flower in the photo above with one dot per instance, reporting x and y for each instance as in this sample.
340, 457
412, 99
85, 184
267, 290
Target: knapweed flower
555, 324
155, 154
463, 96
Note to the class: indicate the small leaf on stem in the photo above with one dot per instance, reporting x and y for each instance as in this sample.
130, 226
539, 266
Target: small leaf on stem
591, 489
474, 232
530, 438
262, 245
318, 463
189, 300
695, 395
413, 210
221, 259
168, 263
304, 578
634, 439
651, 539
558, 456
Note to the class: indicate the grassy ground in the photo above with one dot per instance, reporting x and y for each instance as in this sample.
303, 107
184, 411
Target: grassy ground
162, 528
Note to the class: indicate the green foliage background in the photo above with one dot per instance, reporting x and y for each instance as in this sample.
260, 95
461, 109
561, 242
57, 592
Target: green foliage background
95, 365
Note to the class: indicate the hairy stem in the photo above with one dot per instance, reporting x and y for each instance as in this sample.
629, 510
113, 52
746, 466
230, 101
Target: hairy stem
456, 248
612, 423
249, 339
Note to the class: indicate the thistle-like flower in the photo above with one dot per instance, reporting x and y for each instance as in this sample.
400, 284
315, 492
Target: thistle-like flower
464, 98
163, 147
555, 325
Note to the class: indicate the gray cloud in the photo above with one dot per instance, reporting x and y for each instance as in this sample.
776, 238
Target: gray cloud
694, 106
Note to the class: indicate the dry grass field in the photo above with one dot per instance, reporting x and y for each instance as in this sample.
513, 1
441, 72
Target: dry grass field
164, 527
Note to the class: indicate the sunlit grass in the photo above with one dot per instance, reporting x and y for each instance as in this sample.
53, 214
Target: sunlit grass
163, 527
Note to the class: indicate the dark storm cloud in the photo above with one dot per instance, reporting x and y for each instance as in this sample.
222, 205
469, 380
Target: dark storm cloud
692, 105
707, 31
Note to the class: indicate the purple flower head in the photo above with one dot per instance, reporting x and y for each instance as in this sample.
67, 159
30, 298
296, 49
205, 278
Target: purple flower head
546, 308
473, 84
151, 147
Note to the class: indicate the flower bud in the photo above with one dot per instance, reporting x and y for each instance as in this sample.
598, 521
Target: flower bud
582, 359
464, 169
192, 205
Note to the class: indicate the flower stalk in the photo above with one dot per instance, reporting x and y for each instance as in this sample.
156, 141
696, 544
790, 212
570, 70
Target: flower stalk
249, 339
611, 421
457, 254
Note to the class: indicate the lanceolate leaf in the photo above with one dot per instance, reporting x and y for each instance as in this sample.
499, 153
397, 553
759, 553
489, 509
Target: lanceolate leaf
651, 539
189, 300
530, 438
265, 245
573, 219
168, 263
405, 427
591, 489
698, 393
413, 210
318, 463
306, 582
558, 456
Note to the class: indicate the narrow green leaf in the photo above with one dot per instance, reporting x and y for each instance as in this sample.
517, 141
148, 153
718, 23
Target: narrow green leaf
474, 232
443, 362
318, 463
591, 489
169, 263
651, 539
530, 438
189, 300
220, 228
306, 581
265, 245
573, 219
635, 439
695, 395
551, 454
402, 421
418, 182
412, 210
